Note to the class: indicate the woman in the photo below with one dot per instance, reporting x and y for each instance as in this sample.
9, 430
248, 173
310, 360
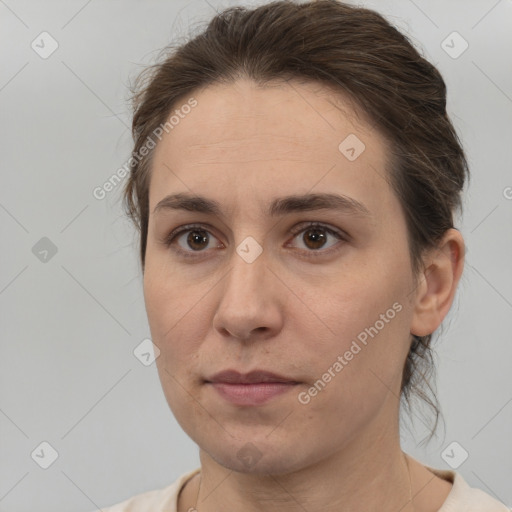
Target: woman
294, 179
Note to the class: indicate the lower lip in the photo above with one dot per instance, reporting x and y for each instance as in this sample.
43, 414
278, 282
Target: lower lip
251, 394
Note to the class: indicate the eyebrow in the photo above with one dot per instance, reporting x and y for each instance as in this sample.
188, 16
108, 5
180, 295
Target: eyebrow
279, 206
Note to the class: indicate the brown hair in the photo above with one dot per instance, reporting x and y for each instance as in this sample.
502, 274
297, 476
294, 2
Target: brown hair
355, 51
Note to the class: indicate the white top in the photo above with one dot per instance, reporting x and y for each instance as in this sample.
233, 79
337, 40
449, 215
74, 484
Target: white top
462, 497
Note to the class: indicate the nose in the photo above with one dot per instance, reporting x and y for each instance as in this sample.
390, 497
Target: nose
250, 304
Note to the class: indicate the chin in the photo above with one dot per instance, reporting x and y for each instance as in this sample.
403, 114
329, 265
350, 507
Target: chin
260, 457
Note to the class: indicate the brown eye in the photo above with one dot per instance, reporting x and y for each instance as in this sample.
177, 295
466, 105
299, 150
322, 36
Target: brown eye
314, 238
194, 240
191, 240
197, 239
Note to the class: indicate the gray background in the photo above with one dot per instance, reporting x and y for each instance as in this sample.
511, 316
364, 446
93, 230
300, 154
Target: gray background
70, 324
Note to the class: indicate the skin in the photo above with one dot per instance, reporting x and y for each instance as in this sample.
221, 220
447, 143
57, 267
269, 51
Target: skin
289, 312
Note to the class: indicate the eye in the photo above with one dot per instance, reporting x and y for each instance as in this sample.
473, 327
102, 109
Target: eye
315, 236
197, 238
193, 239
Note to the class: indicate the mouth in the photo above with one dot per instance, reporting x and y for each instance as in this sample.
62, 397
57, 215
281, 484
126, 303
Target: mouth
251, 389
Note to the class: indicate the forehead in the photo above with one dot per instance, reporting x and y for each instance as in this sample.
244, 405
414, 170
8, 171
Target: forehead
306, 114
280, 138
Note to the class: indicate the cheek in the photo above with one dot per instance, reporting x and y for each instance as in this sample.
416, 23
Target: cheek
359, 369
365, 320
355, 298
166, 296
166, 309
173, 322
178, 314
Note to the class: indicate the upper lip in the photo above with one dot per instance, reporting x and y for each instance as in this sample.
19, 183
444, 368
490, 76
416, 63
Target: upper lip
253, 377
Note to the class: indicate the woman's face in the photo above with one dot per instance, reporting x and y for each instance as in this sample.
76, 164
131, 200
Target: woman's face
251, 287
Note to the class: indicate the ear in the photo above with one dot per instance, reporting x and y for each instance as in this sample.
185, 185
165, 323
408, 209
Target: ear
437, 284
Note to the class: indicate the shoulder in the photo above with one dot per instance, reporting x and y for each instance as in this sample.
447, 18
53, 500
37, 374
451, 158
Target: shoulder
158, 500
463, 498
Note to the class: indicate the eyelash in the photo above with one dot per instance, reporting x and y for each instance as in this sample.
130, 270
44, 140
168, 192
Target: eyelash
169, 239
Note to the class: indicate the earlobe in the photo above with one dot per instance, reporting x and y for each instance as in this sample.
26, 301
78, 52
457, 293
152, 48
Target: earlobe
438, 283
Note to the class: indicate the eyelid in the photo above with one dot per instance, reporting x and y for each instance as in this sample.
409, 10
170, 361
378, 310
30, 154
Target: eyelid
313, 224
341, 235
170, 239
187, 227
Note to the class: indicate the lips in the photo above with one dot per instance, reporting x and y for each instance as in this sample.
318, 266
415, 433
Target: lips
251, 389
253, 377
